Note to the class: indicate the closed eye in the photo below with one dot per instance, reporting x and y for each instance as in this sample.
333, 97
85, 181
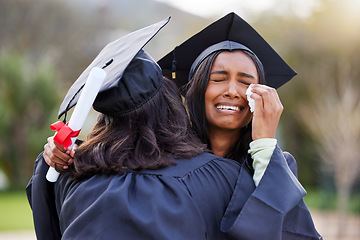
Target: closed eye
218, 76
244, 82
246, 78
218, 80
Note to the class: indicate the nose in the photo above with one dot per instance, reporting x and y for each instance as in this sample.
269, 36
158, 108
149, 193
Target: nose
232, 90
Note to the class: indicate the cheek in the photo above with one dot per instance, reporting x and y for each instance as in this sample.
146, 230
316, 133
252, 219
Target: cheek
208, 107
248, 118
211, 91
210, 95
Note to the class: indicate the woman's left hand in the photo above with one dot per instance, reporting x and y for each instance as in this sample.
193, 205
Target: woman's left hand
268, 110
56, 156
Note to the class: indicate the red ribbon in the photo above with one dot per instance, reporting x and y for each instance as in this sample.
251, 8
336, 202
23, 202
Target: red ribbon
64, 133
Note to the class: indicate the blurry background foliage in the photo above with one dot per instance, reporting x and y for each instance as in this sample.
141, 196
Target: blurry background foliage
45, 45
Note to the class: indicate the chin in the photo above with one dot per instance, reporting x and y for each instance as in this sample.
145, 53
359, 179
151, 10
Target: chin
230, 126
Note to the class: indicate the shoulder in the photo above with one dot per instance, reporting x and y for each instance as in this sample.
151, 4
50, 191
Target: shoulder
184, 167
288, 157
291, 162
187, 176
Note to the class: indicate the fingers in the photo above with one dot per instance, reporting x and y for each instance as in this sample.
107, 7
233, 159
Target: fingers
267, 99
47, 158
55, 154
268, 110
73, 150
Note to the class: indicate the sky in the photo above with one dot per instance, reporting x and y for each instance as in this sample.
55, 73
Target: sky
208, 8
215, 8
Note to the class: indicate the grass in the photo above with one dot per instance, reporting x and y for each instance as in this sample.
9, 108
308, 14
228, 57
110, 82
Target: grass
326, 200
15, 211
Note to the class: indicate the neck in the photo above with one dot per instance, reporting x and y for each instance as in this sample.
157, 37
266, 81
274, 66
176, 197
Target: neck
222, 140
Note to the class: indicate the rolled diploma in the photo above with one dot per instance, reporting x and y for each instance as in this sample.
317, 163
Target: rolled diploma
82, 108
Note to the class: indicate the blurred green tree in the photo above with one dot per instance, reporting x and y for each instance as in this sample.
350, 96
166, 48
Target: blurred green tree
51, 29
40, 42
28, 98
332, 116
68, 34
321, 120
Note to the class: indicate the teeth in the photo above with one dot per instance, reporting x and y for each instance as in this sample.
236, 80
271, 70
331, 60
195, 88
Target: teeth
224, 107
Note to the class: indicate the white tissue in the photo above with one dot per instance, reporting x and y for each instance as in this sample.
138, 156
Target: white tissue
250, 100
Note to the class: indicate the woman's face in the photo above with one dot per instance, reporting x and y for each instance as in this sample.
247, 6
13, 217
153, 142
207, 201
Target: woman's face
226, 104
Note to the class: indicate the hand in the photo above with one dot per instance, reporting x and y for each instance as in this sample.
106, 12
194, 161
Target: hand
57, 156
268, 110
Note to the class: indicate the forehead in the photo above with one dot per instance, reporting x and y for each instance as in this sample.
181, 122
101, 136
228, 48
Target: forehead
235, 59
235, 63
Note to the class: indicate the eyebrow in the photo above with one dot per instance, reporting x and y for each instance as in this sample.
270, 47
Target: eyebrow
241, 74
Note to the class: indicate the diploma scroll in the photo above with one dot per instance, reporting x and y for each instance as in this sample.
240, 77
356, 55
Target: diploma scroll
82, 108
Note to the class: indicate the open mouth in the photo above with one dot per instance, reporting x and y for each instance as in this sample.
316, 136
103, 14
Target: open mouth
229, 107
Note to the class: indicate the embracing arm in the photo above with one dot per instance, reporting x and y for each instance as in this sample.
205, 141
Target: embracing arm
40, 193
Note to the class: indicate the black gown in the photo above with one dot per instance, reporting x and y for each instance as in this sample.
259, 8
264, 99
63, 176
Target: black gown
186, 201
206, 197
273, 210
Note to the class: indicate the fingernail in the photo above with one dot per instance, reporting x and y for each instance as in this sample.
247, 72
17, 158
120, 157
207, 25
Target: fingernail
65, 167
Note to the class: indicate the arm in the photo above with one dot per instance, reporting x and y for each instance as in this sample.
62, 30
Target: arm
40, 195
272, 210
299, 219
261, 151
40, 192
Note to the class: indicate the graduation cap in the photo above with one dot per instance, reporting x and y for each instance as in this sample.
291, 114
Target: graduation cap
228, 33
133, 77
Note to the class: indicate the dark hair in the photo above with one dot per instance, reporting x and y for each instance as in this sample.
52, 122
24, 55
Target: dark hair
195, 101
146, 138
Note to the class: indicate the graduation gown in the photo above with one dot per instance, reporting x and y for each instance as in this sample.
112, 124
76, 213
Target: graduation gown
202, 198
273, 210
186, 201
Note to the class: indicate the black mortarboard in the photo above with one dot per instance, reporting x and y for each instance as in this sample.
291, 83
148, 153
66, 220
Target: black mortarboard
229, 31
133, 77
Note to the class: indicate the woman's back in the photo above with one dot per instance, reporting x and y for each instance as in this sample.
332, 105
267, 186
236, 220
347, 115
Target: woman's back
186, 201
